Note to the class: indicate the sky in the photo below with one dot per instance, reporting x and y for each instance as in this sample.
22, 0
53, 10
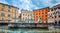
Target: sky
31, 4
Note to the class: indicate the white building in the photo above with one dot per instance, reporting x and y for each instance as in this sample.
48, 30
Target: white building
54, 14
26, 16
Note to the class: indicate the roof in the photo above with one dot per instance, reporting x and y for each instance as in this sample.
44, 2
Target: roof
41, 8
9, 5
55, 6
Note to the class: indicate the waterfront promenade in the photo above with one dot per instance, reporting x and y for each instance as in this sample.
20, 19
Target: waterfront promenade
5, 29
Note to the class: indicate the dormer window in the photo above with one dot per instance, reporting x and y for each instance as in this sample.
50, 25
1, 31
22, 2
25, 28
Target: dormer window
58, 7
55, 8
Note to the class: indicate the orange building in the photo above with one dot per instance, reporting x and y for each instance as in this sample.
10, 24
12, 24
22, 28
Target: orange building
8, 13
41, 14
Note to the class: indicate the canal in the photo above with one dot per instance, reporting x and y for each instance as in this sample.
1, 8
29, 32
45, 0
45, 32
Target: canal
6, 29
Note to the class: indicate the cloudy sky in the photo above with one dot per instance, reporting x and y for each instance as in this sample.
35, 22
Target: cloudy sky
31, 4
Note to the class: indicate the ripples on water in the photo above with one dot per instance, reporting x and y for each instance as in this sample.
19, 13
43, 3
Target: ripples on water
5, 29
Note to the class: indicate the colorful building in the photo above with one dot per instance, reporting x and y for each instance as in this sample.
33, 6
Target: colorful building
26, 16
8, 13
54, 14
41, 14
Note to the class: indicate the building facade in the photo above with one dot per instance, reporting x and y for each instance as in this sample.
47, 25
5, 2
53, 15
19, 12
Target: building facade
51, 16
41, 14
8, 13
26, 16
54, 14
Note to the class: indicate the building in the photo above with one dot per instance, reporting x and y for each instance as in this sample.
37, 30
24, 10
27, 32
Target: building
41, 14
8, 13
26, 16
51, 16
54, 14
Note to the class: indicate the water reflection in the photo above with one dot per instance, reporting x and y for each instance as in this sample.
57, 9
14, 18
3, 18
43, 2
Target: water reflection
6, 29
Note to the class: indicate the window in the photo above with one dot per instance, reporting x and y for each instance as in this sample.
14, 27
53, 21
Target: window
51, 9
23, 14
8, 15
46, 18
14, 9
39, 13
9, 9
42, 13
55, 8
58, 12
55, 16
54, 13
46, 15
15, 13
2, 14
36, 16
2, 7
58, 7
46, 12
42, 16
28, 15
52, 17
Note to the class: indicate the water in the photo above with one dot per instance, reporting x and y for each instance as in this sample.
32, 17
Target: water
6, 29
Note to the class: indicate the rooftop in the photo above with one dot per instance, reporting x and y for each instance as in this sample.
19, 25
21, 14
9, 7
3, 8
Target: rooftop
9, 5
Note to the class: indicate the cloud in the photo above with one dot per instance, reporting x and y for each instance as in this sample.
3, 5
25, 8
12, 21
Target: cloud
47, 2
42, 3
57, 1
31, 4
27, 4
3, 1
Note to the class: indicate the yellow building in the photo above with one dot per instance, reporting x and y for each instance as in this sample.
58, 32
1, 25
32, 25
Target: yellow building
8, 13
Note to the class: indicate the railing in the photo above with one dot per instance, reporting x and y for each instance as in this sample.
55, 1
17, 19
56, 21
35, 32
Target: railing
8, 31
56, 30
